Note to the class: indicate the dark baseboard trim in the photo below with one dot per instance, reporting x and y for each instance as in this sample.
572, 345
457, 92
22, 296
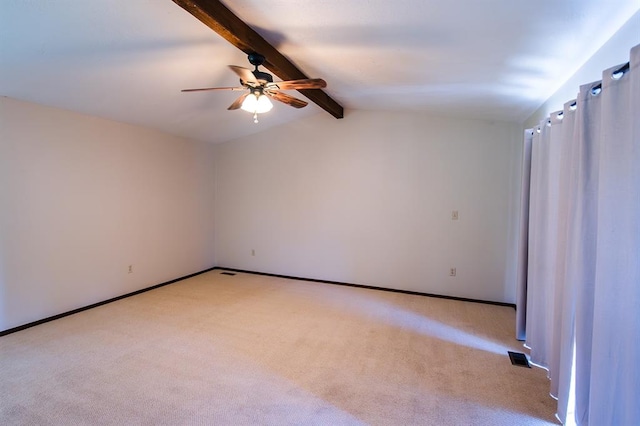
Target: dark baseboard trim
153, 287
393, 290
95, 305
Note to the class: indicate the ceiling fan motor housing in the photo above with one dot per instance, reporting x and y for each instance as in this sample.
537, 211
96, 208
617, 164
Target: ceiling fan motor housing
263, 76
256, 60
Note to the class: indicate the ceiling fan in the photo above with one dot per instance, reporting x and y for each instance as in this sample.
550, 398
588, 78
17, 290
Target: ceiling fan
260, 87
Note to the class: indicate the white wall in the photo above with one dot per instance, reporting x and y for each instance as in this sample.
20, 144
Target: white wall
615, 51
368, 200
81, 198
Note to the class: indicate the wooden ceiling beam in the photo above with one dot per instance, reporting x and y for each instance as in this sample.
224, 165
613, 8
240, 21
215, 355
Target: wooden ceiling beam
220, 19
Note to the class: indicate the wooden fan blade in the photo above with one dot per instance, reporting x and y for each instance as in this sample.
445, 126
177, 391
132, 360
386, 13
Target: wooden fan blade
238, 102
289, 100
245, 74
308, 83
212, 88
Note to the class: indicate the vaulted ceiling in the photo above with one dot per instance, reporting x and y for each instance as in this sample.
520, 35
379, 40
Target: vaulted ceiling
127, 60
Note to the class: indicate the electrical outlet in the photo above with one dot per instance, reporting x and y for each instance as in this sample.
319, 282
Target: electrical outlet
131, 269
454, 215
253, 252
452, 272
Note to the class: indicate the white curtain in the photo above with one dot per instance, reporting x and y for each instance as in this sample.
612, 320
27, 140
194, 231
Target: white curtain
569, 239
543, 238
615, 373
581, 294
585, 224
523, 244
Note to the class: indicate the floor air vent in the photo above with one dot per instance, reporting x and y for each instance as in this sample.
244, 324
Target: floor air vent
227, 273
518, 358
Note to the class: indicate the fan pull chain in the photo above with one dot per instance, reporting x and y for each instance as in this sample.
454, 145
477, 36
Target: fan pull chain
255, 117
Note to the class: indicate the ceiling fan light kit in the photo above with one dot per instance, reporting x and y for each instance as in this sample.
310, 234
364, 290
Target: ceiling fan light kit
256, 103
260, 87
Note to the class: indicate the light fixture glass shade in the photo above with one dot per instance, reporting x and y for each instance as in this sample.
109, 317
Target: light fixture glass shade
249, 104
257, 105
264, 104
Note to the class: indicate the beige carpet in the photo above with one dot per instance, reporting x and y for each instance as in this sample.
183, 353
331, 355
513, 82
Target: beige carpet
249, 349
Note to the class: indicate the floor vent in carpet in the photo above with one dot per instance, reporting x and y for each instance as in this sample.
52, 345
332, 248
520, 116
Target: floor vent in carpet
518, 358
227, 273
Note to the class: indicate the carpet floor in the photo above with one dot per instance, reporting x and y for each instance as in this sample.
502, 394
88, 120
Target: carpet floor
250, 349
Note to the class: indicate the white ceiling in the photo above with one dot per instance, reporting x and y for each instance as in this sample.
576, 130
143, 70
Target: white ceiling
127, 60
